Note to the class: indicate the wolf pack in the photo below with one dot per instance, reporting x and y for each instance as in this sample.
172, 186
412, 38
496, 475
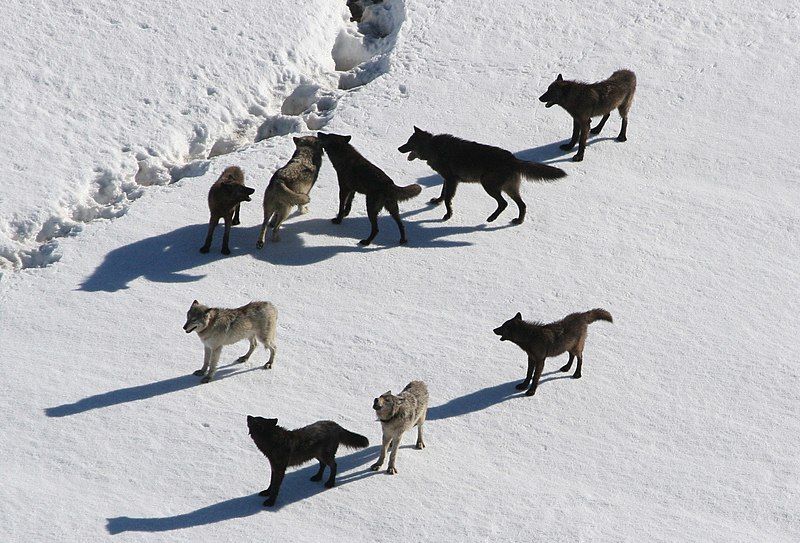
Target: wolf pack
456, 160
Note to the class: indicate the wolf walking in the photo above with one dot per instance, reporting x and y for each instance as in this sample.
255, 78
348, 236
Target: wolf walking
496, 169
286, 448
397, 415
218, 327
291, 185
224, 199
542, 341
586, 100
357, 174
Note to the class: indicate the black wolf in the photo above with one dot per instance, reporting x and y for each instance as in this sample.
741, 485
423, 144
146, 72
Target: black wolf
224, 198
357, 174
542, 341
586, 100
285, 448
459, 160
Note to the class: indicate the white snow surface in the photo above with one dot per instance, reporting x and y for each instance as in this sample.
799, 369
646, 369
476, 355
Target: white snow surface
686, 423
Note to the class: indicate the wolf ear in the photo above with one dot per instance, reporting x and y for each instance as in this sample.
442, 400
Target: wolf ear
249, 418
417, 130
518, 316
387, 393
559, 78
272, 422
296, 140
195, 303
347, 139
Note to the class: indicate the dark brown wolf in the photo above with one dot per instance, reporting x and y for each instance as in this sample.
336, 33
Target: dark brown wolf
542, 341
357, 174
497, 170
224, 198
291, 185
586, 100
285, 448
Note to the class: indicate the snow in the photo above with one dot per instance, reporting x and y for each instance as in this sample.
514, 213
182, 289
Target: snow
116, 120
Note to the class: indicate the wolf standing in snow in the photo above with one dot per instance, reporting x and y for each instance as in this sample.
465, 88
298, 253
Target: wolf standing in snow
357, 174
224, 198
285, 448
456, 160
586, 100
542, 341
218, 327
291, 185
398, 414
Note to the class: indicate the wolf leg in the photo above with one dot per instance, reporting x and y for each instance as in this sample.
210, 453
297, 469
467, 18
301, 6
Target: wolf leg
344, 195
227, 235
236, 221
582, 145
394, 211
384, 447
524, 384
273, 349
373, 208
577, 374
449, 191
275, 485
206, 360
246, 357
568, 365
624, 130
331, 482
491, 187
212, 224
576, 130
280, 216
601, 124
212, 369
262, 234
318, 476
536, 376
392, 469
420, 442
303, 209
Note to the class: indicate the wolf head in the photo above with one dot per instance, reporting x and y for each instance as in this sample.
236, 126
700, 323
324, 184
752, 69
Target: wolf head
416, 144
329, 141
311, 142
510, 329
386, 405
197, 318
258, 426
555, 92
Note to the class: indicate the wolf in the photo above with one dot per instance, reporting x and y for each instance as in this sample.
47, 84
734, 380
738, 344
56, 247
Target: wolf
496, 169
541, 341
291, 185
398, 414
218, 327
285, 448
357, 174
586, 100
224, 198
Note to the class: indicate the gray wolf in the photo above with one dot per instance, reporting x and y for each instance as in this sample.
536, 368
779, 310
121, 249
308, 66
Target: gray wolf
291, 185
542, 341
285, 448
496, 169
398, 414
357, 174
586, 100
217, 327
224, 199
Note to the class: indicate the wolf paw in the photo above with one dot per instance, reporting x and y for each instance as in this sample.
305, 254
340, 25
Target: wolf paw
206, 379
241, 360
235, 223
376, 466
199, 372
204, 249
530, 392
622, 139
265, 492
522, 386
420, 445
330, 484
391, 471
336, 220
517, 221
403, 241
447, 216
577, 158
266, 366
435, 201
565, 368
269, 502
364, 242
576, 376
226, 251
259, 245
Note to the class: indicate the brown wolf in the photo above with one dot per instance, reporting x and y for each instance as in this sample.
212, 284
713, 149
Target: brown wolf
461, 160
357, 174
291, 185
586, 100
224, 198
541, 341
285, 448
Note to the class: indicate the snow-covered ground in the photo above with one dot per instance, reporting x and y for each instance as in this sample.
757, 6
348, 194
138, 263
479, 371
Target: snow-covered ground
685, 425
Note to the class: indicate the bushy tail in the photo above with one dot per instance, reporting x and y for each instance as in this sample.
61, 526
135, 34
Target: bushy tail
353, 440
291, 197
539, 172
599, 315
407, 192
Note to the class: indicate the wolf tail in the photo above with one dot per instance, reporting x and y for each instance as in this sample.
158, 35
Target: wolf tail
539, 172
599, 315
407, 192
291, 197
352, 440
